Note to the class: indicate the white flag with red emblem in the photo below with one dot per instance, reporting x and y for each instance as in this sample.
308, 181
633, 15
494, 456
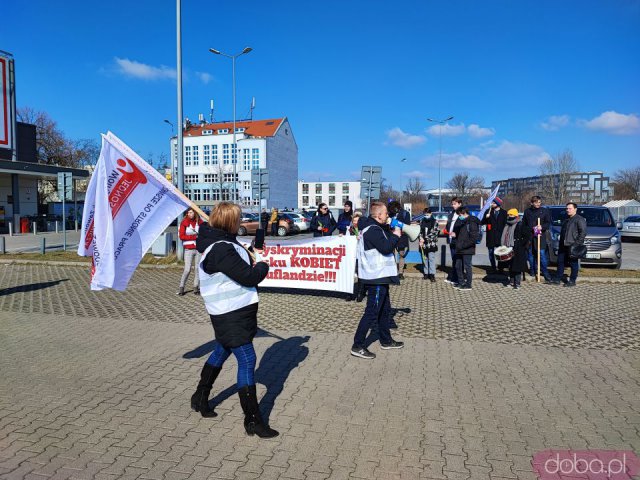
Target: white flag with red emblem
127, 206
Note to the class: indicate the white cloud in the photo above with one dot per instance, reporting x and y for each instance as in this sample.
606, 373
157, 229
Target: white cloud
398, 138
614, 123
458, 160
447, 130
131, 68
204, 77
555, 122
476, 131
416, 174
509, 154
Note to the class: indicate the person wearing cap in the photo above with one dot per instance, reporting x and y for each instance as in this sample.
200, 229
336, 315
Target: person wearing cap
530, 220
495, 220
518, 237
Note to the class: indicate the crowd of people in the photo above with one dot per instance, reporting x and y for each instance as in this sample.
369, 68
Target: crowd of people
228, 273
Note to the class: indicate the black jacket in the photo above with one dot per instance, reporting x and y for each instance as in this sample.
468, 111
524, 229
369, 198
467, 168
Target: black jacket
530, 220
573, 231
405, 218
238, 327
344, 222
264, 218
467, 234
521, 243
429, 233
375, 238
327, 221
495, 225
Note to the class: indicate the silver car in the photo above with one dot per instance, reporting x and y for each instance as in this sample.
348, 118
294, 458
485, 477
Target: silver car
631, 227
603, 237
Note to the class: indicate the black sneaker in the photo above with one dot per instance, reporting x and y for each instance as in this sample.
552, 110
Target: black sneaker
196, 291
393, 325
391, 346
516, 287
456, 285
180, 292
464, 288
363, 353
401, 276
570, 283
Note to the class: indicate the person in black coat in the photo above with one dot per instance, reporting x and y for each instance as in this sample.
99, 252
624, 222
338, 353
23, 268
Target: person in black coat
530, 220
345, 218
428, 241
402, 249
517, 236
466, 233
229, 275
323, 224
264, 220
495, 219
452, 221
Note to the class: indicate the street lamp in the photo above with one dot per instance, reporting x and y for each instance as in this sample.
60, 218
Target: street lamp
235, 145
167, 121
440, 122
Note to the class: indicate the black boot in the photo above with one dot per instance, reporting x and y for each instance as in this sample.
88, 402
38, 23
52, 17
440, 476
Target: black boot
200, 399
432, 277
253, 423
360, 291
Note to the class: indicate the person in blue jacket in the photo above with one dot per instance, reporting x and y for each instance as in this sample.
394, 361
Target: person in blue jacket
377, 270
323, 224
344, 219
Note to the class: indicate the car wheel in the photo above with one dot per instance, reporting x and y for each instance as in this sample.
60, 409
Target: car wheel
242, 231
282, 232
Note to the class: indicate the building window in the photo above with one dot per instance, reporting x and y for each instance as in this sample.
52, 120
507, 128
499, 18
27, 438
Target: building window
206, 157
246, 162
223, 130
196, 159
255, 158
318, 188
206, 195
229, 177
191, 179
246, 184
196, 195
214, 154
234, 150
305, 201
318, 201
210, 178
332, 189
187, 156
225, 154
305, 188
345, 199
332, 201
215, 195
345, 188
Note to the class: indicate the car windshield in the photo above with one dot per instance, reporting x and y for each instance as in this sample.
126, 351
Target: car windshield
633, 218
595, 217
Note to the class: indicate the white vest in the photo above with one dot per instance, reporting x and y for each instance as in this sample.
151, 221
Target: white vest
220, 293
371, 263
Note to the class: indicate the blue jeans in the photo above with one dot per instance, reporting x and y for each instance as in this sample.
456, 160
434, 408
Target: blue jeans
563, 257
429, 268
378, 311
533, 262
453, 276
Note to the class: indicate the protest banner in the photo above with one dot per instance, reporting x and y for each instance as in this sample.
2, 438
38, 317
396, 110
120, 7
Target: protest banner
128, 205
324, 263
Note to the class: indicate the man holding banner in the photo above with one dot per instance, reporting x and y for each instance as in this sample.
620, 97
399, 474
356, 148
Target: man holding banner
377, 270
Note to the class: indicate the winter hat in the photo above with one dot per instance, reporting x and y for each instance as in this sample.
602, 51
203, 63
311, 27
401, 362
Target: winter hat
498, 201
513, 212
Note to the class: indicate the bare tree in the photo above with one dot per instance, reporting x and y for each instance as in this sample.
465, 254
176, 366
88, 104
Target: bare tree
556, 173
52, 147
387, 193
627, 184
463, 185
414, 194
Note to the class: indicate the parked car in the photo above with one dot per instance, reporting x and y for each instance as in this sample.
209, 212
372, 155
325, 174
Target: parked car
249, 224
300, 222
631, 227
441, 218
603, 237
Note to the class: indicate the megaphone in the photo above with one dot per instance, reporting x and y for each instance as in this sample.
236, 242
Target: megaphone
412, 231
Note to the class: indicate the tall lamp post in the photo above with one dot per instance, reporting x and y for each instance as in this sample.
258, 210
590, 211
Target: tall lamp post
440, 123
235, 145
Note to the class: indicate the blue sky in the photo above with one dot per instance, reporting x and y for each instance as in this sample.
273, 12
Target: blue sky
357, 79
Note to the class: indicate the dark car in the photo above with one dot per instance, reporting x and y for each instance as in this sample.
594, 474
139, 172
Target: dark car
603, 238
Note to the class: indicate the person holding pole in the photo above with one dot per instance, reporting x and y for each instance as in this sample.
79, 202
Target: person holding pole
229, 274
518, 237
530, 220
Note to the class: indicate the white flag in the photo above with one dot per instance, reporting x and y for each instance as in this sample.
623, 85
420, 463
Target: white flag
128, 205
487, 204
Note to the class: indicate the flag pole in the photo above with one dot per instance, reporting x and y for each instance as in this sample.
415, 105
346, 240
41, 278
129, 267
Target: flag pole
539, 235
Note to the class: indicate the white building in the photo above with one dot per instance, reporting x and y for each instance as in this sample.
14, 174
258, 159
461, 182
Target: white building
209, 159
334, 194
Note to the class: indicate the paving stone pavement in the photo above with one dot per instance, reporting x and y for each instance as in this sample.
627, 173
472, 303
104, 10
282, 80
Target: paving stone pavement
97, 385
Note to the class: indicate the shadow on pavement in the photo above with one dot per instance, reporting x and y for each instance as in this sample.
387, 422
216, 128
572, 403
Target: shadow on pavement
375, 335
208, 347
31, 287
277, 363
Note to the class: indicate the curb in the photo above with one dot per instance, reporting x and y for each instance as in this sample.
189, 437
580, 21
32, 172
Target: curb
15, 261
